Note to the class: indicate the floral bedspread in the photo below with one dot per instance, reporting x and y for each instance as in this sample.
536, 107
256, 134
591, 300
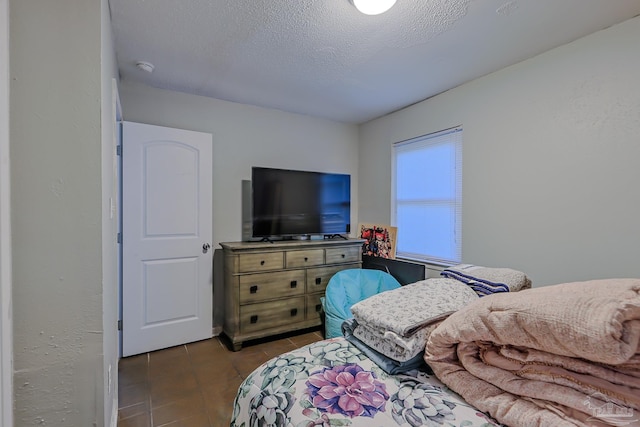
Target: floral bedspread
332, 383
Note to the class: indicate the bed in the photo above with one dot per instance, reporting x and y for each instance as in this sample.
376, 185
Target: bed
333, 383
562, 355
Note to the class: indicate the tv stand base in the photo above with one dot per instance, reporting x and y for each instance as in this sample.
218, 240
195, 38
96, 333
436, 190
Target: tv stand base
301, 237
335, 236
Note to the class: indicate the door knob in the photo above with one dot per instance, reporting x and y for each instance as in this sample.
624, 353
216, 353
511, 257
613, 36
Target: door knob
205, 248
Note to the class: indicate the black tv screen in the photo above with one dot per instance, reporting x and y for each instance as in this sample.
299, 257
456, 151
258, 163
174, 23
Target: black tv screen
299, 203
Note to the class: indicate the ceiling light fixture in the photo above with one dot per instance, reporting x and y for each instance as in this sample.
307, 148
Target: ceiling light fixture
373, 7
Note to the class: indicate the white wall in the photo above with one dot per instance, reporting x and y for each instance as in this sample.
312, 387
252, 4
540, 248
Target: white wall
245, 136
110, 224
550, 158
6, 327
56, 187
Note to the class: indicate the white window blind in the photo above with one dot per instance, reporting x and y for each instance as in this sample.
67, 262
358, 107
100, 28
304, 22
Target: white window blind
427, 197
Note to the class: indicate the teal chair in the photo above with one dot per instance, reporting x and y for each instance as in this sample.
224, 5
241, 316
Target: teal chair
348, 287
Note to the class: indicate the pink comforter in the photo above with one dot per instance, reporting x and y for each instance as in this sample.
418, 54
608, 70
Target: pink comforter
552, 356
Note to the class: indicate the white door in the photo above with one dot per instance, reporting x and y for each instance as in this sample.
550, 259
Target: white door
167, 261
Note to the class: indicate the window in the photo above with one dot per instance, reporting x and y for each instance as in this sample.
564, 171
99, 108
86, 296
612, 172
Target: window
427, 197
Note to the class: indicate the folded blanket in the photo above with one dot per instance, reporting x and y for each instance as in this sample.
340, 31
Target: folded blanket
487, 280
557, 355
392, 345
387, 364
406, 310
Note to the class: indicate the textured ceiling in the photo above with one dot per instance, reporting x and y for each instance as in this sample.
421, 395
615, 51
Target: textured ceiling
323, 58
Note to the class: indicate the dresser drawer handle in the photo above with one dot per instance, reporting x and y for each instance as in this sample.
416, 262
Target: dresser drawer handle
306, 259
254, 318
318, 308
253, 289
262, 262
343, 255
294, 312
294, 284
318, 280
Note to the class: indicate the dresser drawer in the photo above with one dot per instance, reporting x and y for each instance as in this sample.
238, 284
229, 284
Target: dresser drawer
265, 315
304, 258
264, 286
314, 307
344, 254
318, 277
264, 261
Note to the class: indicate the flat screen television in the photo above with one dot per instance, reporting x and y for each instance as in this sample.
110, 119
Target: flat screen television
293, 203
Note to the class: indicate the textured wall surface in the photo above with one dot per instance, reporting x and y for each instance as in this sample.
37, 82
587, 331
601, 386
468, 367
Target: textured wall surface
56, 212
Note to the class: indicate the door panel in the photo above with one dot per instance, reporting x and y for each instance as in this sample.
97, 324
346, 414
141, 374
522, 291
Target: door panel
167, 205
160, 277
171, 197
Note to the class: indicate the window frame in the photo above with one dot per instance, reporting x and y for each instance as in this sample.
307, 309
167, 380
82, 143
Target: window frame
448, 136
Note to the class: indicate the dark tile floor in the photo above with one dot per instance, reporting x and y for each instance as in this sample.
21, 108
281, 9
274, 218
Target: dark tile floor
193, 385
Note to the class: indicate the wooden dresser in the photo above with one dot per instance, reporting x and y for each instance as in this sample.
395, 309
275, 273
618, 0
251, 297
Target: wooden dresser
271, 288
